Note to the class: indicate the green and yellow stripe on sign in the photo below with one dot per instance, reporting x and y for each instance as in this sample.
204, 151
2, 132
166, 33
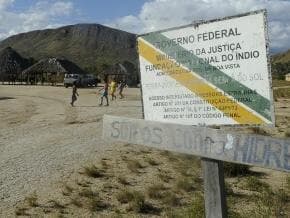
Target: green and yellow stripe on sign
195, 83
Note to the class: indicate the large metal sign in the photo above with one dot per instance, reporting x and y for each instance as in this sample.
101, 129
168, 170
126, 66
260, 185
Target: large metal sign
211, 73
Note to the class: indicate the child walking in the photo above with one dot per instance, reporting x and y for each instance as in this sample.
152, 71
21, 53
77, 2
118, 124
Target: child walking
105, 93
74, 94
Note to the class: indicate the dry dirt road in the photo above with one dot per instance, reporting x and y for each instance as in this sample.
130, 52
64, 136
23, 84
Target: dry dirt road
43, 140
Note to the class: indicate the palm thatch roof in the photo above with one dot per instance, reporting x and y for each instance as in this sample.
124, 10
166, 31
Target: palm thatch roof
54, 66
11, 63
116, 69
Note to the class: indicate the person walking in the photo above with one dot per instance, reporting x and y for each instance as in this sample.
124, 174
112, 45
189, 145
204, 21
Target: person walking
113, 88
122, 85
105, 90
74, 94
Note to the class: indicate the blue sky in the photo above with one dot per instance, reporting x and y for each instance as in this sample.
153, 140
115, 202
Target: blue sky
138, 16
97, 11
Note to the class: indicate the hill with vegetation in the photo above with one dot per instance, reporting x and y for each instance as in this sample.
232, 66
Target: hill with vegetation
91, 46
281, 65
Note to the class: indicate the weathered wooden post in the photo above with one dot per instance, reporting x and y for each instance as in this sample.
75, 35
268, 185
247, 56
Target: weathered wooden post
214, 188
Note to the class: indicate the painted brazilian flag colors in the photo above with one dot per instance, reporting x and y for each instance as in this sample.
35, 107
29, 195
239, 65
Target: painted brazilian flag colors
211, 73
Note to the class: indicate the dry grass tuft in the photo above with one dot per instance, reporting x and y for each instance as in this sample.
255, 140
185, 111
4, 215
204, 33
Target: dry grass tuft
185, 184
123, 180
96, 204
67, 190
126, 196
93, 171
56, 204
76, 202
134, 166
151, 161
164, 176
21, 211
87, 193
156, 191
32, 200
170, 199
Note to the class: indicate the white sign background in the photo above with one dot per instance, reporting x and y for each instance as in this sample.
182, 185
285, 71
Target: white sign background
252, 73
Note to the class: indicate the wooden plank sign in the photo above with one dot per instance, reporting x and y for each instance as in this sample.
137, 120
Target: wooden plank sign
256, 150
211, 73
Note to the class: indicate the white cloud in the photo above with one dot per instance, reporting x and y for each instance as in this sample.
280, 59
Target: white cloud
4, 4
162, 14
44, 14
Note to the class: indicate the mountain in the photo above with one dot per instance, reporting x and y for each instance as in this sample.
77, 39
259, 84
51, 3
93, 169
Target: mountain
281, 57
280, 65
91, 46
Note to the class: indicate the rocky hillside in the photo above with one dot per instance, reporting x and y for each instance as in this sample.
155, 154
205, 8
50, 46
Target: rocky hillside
91, 46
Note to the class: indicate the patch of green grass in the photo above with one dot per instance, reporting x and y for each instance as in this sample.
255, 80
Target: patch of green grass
185, 184
139, 205
252, 183
170, 199
194, 210
270, 203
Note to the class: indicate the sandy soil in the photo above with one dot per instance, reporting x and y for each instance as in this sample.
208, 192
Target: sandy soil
43, 139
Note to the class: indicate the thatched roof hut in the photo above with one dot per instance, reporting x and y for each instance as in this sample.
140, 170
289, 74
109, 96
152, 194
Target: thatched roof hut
11, 64
116, 69
51, 70
53, 66
121, 71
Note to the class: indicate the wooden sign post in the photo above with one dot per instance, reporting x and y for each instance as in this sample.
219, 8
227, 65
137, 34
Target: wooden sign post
214, 188
213, 145
211, 73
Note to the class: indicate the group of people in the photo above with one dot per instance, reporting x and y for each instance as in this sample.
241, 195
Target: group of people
113, 86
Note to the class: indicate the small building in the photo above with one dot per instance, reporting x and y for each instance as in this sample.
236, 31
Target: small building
51, 70
287, 77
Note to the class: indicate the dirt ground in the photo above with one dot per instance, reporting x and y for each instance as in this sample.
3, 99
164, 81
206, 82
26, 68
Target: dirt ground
44, 141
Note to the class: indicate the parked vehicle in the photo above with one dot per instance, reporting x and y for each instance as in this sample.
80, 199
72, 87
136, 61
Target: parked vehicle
81, 80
